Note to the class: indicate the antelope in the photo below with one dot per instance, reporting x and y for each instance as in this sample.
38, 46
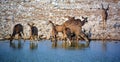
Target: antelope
76, 28
53, 32
60, 28
104, 15
78, 21
18, 29
70, 35
34, 32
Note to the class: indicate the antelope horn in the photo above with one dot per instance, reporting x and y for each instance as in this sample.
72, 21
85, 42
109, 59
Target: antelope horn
102, 6
107, 7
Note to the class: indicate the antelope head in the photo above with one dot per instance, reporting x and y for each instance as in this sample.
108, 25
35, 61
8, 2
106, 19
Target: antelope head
85, 19
105, 9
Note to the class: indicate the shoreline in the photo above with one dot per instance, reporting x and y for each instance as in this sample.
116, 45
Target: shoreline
79, 40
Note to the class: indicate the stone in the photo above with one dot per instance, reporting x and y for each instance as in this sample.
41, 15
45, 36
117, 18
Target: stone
40, 12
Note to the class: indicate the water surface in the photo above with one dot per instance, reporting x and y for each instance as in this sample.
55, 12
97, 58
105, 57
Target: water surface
47, 51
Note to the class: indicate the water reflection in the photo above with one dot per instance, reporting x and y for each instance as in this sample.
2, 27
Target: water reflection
79, 45
33, 45
66, 44
20, 44
54, 44
72, 45
16, 44
104, 45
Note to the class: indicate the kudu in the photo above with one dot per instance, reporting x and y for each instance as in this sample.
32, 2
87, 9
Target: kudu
34, 32
61, 28
78, 21
58, 28
53, 32
81, 23
18, 29
104, 15
76, 27
69, 35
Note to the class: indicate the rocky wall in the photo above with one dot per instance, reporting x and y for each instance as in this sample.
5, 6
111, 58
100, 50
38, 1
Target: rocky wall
40, 11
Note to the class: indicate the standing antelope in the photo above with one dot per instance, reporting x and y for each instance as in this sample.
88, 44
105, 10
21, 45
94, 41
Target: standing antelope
60, 28
76, 28
104, 15
82, 23
54, 32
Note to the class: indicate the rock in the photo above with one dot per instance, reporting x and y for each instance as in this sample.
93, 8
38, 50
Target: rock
7, 37
39, 12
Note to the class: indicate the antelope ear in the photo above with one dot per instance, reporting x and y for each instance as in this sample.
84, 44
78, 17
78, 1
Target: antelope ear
86, 17
33, 24
28, 24
73, 17
82, 17
68, 17
50, 21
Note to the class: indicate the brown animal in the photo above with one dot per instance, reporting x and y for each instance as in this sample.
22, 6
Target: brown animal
66, 24
69, 21
81, 22
54, 32
70, 35
75, 28
62, 29
18, 29
34, 32
104, 15
59, 28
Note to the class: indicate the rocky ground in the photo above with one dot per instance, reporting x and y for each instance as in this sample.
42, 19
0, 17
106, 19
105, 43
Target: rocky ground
39, 12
